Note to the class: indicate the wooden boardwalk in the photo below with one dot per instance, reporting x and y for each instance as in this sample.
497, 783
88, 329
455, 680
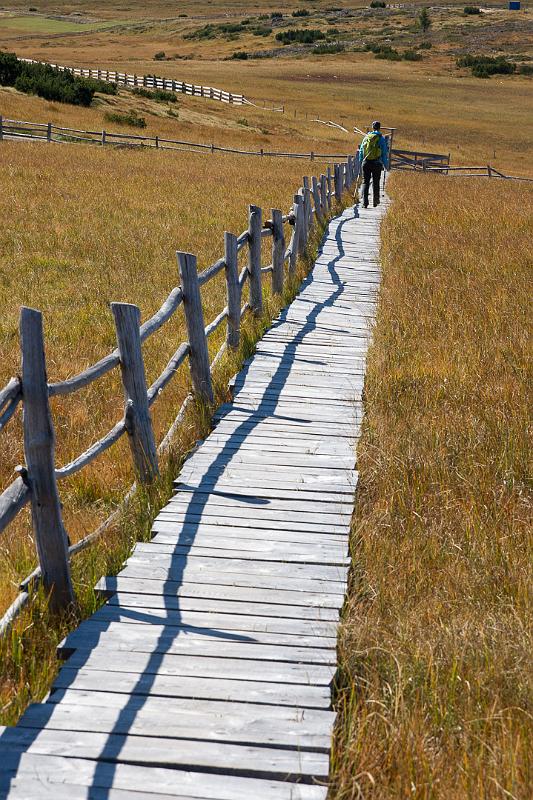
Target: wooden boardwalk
208, 672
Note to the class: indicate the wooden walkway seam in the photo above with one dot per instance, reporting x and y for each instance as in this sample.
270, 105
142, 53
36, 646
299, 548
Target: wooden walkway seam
208, 672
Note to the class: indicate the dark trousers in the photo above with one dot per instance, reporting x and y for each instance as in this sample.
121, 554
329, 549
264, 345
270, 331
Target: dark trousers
371, 169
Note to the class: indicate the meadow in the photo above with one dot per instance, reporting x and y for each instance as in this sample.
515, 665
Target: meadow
435, 687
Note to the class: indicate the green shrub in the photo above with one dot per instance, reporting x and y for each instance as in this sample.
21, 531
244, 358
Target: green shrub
424, 20
470, 10
262, 30
411, 55
159, 95
160, 56
48, 82
425, 45
525, 69
102, 87
385, 52
328, 49
131, 118
378, 4
485, 66
276, 15
300, 12
241, 56
300, 35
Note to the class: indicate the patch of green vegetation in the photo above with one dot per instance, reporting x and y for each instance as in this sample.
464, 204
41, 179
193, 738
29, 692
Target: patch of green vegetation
159, 95
231, 30
160, 56
130, 118
240, 56
378, 4
50, 83
300, 12
300, 36
485, 66
329, 49
471, 10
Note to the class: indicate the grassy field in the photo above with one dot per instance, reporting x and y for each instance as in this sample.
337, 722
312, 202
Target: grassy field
436, 643
77, 236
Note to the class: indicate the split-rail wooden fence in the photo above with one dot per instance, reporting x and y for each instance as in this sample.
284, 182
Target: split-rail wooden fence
149, 82
48, 132
37, 481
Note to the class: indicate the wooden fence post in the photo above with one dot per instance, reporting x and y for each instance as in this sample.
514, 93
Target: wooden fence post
138, 420
346, 175
307, 218
338, 182
254, 259
278, 251
194, 317
39, 444
1, 128
316, 198
329, 191
233, 291
298, 229
49, 132
323, 195
103, 137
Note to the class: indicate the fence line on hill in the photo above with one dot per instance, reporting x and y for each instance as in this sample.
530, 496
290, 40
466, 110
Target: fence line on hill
399, 159
47, 132
37, 480
149, 82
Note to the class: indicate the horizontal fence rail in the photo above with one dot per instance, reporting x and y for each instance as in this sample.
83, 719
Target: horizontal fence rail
148, 81
47, 132
37, 481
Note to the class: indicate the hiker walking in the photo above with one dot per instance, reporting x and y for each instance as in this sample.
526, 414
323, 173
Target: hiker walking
374, 157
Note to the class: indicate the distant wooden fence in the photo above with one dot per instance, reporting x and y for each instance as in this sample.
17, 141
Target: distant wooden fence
414, 159
37, 480
148, 81
47, 132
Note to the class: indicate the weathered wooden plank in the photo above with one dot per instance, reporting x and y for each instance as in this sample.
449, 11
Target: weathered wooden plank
199, 497
259, 523
133, 593
188, 533
193, 567
240, 723
128, 638
182, 785
210, 621
164, 587
310, 552
204, 667
236, 549
159, 685
243, 760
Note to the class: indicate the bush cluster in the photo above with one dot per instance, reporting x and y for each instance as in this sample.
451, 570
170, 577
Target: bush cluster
378, 4
300, 12
470, 10
50, 83
385, 51
231, 30
485, 66
159, 95
300, 35
130, 118
328, 49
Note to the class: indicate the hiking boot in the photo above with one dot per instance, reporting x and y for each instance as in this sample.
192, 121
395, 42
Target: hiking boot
376, 203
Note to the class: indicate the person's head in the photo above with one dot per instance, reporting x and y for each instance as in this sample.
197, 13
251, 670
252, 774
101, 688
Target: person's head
376, 126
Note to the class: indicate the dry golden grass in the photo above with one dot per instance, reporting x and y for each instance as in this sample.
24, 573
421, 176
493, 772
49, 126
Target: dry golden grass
82, 227
436, 642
